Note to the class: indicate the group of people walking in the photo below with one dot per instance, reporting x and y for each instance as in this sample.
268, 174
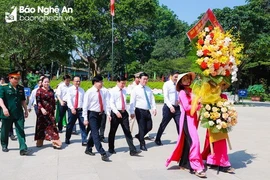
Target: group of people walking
90, 107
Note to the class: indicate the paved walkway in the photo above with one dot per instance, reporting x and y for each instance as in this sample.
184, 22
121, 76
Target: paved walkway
250, 155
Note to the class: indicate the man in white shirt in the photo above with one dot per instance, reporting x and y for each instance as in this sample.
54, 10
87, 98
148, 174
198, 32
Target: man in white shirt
104, 116
120, 116
142, 101
171, 107
75, 103
33, 100
61, 94
94, 104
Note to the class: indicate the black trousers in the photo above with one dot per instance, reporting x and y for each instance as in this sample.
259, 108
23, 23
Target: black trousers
184, 162
103, 125
145, 123
167, 116
62, 112
94, 119
124, 121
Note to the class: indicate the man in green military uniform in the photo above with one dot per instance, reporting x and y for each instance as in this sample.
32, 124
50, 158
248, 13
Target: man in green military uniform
12, 103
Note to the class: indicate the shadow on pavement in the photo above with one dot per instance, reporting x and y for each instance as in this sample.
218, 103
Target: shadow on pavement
241, 159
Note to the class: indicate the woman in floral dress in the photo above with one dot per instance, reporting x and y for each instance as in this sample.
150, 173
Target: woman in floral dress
45, 125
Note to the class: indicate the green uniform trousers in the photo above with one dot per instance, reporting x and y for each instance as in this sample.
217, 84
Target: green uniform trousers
19, 126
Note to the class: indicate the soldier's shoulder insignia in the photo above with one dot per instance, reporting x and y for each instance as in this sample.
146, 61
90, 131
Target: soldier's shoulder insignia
21, 86
4, 84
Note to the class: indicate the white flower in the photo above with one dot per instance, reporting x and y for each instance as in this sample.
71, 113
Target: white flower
225, 115
227, 41
207, 107
218, 121
223, 109
206, 29
199, 53
211, 123
214, 109
218, 126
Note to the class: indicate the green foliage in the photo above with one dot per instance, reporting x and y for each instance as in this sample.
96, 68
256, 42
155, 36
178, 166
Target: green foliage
256, 90
31, 43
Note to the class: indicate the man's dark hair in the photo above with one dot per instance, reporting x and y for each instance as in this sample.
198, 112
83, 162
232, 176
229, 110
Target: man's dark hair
121, 78
143, 74
97, 78
175, 72
66, 77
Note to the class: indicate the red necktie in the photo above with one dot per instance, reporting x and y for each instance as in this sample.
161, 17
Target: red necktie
100, 101
76, 99
122, 100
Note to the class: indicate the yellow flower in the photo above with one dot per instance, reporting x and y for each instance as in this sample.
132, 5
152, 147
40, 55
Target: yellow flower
219, 104
206, 115
223, 124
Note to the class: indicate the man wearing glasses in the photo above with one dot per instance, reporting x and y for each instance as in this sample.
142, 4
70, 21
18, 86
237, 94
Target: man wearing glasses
13, 110
75, 102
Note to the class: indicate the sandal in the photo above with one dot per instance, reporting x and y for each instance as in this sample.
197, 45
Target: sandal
200, 174
56, 145
228, 170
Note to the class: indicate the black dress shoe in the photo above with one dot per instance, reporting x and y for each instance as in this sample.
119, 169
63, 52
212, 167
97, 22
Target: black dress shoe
158, 142
112, 151
89, 152
4, 149
24, 152
67, 141
105, 157
149, 138
134, 153
13, 138
84, 144
143, 148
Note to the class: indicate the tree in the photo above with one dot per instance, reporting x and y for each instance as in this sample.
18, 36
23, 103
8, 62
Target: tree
28, 43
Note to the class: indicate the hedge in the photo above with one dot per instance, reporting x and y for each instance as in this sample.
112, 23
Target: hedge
109, 84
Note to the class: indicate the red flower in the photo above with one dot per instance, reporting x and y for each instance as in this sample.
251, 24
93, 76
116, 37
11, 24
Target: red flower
200, 41
212, 35
212, 41
220, 47
216, 66
203, 65
228, 72
210, 28
205, 52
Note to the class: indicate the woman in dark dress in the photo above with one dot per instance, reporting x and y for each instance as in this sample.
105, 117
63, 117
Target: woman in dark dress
45, 126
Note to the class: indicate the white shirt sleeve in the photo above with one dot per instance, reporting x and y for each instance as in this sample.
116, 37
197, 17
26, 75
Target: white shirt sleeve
31, 100
132, 101
85, 105
69, 99
166, 95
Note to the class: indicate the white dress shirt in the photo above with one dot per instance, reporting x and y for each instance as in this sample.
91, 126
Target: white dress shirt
91, 101
32, 98
62, 91
138, 99
170, 93
115, 99
71, 95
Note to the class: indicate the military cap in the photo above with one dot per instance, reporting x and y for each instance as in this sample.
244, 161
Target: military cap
14, 74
